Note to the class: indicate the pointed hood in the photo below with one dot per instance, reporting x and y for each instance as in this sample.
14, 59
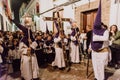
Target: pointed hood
97, 23
97, 27
98, 30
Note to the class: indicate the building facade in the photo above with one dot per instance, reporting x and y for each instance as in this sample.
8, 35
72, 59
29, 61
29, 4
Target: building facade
65, 11
114, 13
5, 9
32, 8
85, 12
82, 11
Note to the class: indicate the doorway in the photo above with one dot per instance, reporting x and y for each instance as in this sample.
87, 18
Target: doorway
88, 19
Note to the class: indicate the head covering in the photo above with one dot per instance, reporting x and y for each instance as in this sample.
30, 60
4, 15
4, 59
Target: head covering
98, 30
97, 27
73, 30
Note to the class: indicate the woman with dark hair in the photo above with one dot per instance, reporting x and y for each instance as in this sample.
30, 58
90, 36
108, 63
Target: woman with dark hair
113, 30
114, 37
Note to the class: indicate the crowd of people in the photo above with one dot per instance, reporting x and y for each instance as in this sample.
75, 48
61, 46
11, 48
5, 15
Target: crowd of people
28, 51
56, 50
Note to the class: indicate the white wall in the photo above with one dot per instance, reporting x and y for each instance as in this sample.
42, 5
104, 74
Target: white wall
82, 2
45, 5
58, 2
115, 14
68, 13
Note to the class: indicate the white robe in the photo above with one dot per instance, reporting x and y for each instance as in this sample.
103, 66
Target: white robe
59, 56
14, 53
28, 69
83, 41
100, 59
75, 56
1, 51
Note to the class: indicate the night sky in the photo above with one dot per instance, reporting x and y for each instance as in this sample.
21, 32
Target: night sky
16, 4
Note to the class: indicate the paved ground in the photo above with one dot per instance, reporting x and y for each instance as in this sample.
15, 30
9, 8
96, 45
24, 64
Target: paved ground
77, 72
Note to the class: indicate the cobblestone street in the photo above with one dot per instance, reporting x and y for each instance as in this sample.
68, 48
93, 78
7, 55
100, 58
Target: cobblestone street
77, 72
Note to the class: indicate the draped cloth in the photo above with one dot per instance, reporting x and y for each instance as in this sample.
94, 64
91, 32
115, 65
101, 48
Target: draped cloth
74, 32
97, 30
57, 27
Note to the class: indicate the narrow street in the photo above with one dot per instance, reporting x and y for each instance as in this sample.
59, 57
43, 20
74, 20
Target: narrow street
36, 35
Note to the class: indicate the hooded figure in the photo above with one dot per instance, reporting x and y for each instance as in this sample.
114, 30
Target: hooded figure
59, 56
29, 66
75, 58
99, 46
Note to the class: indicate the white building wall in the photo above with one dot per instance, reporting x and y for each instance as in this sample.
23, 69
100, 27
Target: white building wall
68, 13
45, 5
82, 2
115, 14
58, 2
31, 9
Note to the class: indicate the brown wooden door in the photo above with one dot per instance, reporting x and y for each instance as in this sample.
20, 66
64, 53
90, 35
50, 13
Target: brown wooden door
88, 19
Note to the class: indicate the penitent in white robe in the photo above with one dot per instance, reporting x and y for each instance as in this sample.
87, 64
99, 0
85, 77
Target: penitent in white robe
75, 56
100, 59
29, 68
59, 56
